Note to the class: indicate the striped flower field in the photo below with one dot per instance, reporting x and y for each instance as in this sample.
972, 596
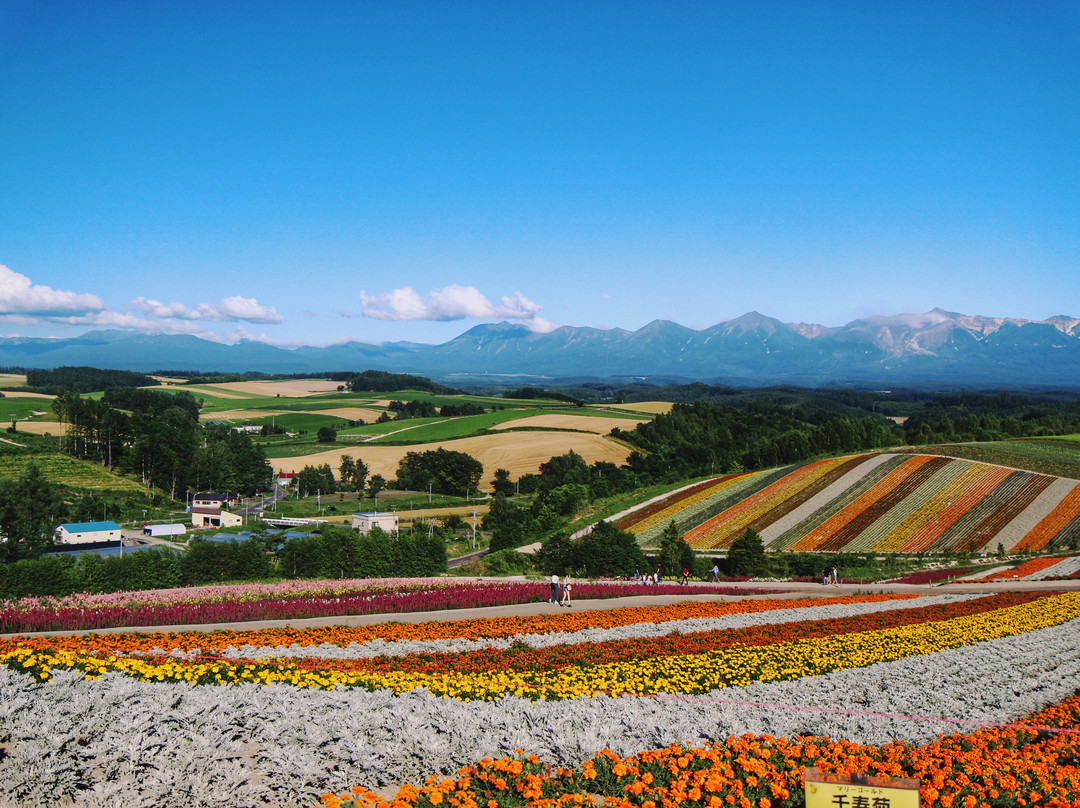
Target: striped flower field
877, 503
703, 703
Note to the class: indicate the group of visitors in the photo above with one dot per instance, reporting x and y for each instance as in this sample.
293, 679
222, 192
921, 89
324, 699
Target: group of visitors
828, 577
560, 591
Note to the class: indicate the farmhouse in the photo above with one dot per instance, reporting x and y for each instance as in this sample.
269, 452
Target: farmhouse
211, 501
214, 517
366, 521
87, 532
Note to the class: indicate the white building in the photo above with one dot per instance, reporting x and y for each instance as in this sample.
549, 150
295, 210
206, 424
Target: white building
87, 532
366, 521
164, 530
214, 517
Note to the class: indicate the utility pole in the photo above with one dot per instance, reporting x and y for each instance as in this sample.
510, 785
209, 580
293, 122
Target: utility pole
474, 528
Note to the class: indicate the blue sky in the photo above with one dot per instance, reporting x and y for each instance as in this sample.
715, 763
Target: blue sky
383, 171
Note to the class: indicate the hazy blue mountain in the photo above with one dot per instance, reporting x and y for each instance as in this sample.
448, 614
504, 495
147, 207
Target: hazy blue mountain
937, 348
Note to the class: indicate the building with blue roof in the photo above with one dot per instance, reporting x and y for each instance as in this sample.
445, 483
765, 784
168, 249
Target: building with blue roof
87, 532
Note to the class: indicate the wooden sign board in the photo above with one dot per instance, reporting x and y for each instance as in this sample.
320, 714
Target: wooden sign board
834, 791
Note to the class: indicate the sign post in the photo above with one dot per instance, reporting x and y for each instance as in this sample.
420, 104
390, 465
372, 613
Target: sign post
830, 790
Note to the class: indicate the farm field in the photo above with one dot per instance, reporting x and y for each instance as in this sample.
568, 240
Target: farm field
67, 471
750, 691
875, 502
1059, 455
518, 452
585, 423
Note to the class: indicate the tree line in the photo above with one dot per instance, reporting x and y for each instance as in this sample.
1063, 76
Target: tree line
83, 380
336, 552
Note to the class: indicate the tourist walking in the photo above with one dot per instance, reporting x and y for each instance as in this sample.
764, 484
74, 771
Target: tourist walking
567, 586
685, 576
553, 596
715, 574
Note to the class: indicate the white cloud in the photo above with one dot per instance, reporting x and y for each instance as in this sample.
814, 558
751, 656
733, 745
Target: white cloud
452, 302
231, 310
19, 296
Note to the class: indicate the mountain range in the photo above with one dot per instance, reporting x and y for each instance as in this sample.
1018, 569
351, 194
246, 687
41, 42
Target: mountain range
937, 348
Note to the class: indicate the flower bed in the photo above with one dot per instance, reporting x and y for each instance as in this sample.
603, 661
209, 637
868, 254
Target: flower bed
1031, 762
366, 597
839, 683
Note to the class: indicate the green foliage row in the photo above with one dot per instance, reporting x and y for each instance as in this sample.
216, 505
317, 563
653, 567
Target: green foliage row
335, 553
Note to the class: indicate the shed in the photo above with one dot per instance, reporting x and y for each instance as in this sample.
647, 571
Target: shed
164, 530
87, 532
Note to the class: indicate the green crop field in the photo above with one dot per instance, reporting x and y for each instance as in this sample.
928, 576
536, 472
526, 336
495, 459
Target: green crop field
1059, 456
67, 471
23, 408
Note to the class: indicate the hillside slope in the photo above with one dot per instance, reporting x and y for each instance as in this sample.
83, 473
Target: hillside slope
877, 502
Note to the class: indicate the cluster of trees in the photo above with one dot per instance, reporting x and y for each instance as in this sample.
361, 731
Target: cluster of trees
412, 409
992, 416
705, 438
527, 393
337, 552
565, 484
444, 470
84, 380
378, 381
156, 436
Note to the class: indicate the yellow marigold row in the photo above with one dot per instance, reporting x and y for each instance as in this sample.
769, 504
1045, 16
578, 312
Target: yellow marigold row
692, 673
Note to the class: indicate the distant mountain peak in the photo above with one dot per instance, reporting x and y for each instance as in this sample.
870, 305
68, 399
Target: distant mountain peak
939, 348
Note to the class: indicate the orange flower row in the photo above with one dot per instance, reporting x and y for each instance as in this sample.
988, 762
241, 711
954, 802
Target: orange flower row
1024, 570
1033, 763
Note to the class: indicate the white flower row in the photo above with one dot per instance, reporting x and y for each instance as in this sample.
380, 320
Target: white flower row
118, 741
379, 647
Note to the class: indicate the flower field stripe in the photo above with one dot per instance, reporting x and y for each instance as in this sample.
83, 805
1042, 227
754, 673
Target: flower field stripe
945, 486
645, 518
725, 527
1053, 523
554, 656
469, 629
881, 505
688, 673
822, 535
782, 533
963, 501
741, 665
978, 513
694, 509
704, 510
640, 630
1014, 531
863, 713
821, 478
1026, 569
1012, 506
845, 491
1026, 763
441, 597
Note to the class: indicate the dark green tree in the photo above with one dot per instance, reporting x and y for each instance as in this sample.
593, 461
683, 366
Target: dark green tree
747, 555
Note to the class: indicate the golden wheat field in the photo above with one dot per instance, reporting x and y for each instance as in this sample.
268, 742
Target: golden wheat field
584, 423
518, 452
655, 407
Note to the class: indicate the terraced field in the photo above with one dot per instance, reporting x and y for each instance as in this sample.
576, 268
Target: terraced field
876, 503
